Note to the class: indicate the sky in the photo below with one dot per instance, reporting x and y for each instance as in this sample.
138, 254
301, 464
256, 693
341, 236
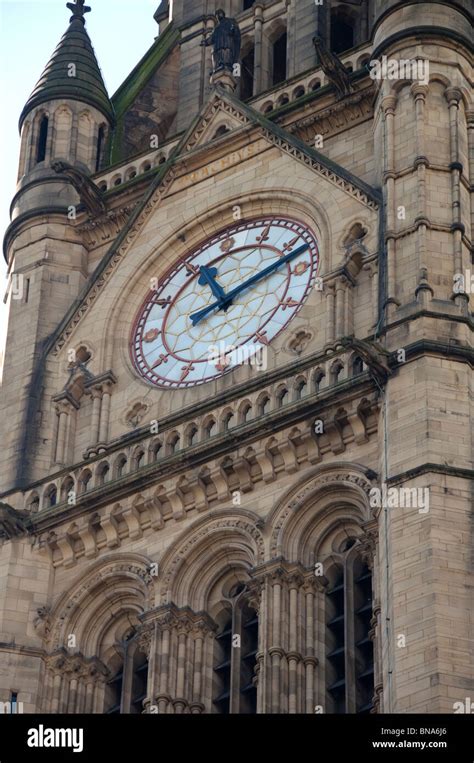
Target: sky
121, 32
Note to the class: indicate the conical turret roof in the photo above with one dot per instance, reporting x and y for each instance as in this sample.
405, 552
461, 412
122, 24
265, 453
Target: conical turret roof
56, 81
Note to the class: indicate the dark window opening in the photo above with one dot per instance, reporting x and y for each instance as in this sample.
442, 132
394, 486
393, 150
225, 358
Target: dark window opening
247, 75
235, 659
249, 649
248, 4
14, 702
336, 648
222, 130
139, 683
350, 664
342, 34
357, 366
42, 140
223, 666
279, 59
100, 145
114, 693
364, 658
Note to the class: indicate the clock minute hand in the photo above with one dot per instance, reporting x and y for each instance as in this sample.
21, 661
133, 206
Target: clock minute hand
224, 303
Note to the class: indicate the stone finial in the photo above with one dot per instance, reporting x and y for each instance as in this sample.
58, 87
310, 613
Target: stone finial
78, 10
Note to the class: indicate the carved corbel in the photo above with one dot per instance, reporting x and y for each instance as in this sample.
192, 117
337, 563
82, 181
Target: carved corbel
242, 470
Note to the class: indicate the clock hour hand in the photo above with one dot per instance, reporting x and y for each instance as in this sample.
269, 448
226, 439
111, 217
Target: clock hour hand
228, 299
207, 276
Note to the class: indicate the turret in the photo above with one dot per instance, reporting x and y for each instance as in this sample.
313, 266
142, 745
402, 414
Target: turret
67, 117
64, 128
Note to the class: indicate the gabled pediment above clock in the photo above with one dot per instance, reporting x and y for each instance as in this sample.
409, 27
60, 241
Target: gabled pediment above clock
217, 118
225, 115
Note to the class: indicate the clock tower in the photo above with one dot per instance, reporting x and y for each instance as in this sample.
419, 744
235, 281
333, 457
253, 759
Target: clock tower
236, 473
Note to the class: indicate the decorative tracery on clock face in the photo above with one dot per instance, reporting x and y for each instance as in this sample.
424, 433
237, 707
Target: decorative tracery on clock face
236, 292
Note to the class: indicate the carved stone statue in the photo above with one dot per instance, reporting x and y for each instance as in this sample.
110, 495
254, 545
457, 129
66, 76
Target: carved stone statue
333, 68
41, 622
12, 522
226, 41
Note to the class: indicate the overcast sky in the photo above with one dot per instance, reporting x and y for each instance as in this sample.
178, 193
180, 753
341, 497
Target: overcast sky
121, 32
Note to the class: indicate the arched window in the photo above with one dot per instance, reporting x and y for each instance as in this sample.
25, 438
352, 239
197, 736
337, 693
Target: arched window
264, 405
349, 648
318, 380
222, 130
192, 435
210, 429
138, 459
103, 474
173, 444
50, 497
227, 421
247, 74
336, 371
300, 389
67, 488
120, 466
357, 366
279, 59
155, 451
245, 413
282, 397
238, 625
33, 503
342, 32
100, 147
130, 670
42, 139
84, 481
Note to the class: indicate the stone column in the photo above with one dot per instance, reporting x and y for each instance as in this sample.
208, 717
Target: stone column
275, 651
96, 393
71, 706
348, 311
388, 106
309, 659
419, 93
293, 655
453, 97
57, 685
330, 325
258, 63
470, 141
105, 413
340, 305
62, 410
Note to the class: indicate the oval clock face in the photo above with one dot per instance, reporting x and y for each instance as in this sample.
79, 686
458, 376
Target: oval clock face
224, 302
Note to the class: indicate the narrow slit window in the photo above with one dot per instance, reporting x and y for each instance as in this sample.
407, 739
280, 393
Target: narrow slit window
42, 140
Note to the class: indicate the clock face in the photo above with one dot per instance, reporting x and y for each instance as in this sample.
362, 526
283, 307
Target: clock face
224, 302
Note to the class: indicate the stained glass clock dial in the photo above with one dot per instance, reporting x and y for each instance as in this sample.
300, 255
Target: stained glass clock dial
236, 292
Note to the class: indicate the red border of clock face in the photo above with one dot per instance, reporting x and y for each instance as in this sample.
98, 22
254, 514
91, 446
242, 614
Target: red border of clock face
136, 342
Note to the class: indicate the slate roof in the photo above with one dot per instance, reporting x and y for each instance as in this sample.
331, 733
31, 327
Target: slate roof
87, 86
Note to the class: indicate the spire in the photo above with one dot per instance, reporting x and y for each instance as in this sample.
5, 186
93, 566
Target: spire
73, 72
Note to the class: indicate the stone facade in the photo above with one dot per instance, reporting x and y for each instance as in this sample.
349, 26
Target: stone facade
218, 548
